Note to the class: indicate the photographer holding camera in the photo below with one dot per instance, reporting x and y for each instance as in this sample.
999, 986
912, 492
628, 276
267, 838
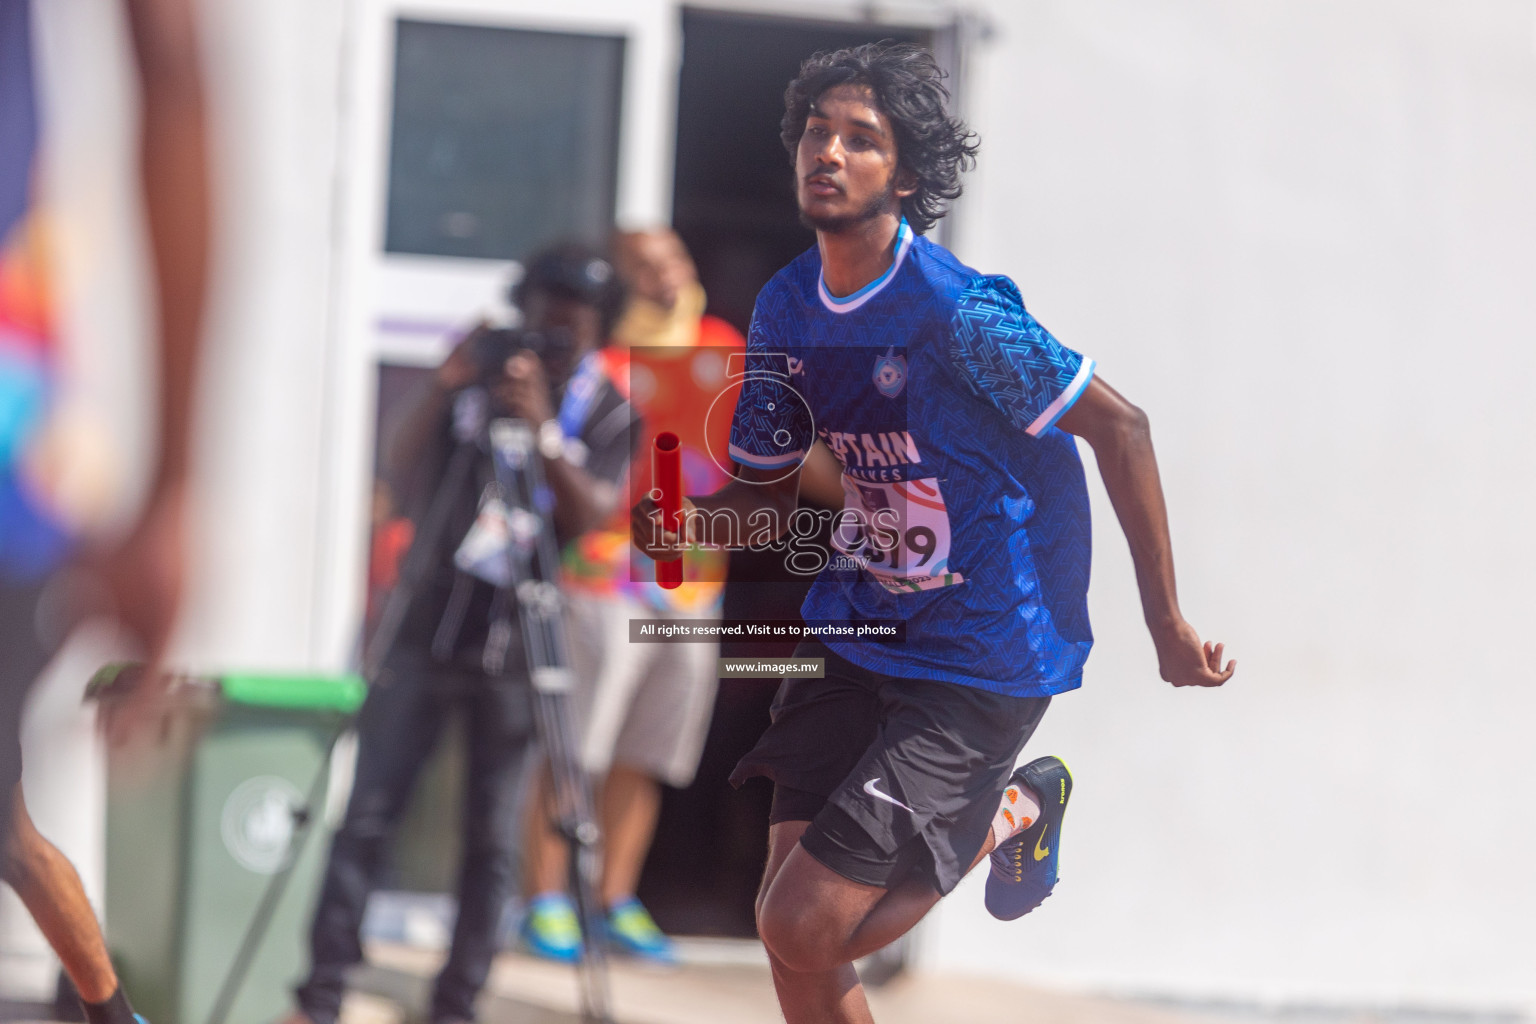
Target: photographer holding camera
448, 647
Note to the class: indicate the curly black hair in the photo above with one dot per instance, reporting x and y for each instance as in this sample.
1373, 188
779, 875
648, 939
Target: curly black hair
908, 86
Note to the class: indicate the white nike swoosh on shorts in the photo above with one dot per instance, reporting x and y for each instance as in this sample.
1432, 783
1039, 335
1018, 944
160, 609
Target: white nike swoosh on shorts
869, 787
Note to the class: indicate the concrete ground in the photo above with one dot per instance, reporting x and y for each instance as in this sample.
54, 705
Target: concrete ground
718, 983
728, 983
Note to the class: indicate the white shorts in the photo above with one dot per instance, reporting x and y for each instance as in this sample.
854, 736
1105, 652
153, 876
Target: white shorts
646, 706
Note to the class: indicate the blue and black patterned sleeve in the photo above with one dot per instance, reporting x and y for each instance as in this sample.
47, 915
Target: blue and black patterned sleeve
1013, 362
772, 428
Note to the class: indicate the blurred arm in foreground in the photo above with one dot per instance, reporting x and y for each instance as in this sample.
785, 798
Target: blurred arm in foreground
143, 573
136, 579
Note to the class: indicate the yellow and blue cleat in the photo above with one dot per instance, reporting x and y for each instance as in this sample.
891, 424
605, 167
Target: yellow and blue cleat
1024, 866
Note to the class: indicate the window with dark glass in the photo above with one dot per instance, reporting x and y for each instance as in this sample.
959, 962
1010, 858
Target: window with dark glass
502, 139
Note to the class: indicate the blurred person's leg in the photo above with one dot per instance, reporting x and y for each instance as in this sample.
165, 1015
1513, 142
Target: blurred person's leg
642, 712
608, 671
605, 672
630, 802
550, 926
397, 730
49, 886
499, 728
544, 852
43, 878
661, 740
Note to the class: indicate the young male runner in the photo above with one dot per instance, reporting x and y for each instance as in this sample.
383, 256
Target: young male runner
966, 518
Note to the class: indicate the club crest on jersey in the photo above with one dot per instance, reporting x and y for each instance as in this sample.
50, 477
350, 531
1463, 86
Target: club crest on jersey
890, 374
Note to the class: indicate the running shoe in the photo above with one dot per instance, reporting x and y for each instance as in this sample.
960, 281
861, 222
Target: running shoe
551, 929
1024, 866
632, 931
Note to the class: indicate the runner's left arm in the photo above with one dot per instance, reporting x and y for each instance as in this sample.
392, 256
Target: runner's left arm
1014, 363
1121, 440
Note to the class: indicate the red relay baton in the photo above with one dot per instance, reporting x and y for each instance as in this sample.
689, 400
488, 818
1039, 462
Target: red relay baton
667, 474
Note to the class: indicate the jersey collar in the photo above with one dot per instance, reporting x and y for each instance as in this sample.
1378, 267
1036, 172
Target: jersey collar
849, 303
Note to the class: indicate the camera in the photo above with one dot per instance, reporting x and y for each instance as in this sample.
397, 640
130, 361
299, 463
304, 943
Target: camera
493, 346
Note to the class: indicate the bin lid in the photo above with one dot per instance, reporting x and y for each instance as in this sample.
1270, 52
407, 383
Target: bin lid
288, 691
297, 692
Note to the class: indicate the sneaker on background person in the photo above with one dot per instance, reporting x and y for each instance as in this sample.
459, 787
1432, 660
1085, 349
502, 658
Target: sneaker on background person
551, 928
632, 932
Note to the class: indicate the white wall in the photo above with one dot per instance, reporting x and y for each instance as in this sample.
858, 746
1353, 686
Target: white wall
1303, 237
265, 457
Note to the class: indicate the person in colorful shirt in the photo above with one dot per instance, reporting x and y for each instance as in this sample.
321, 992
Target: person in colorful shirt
965, 521
52, 570
643, 709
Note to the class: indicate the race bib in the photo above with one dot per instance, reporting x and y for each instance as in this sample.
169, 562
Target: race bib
897, 530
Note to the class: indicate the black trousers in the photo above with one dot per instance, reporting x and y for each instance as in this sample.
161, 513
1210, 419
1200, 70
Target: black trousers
398, 728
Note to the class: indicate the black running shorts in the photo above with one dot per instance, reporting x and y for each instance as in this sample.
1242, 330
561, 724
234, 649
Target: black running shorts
895, 775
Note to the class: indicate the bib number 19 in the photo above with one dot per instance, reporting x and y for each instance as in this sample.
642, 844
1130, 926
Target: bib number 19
899, 530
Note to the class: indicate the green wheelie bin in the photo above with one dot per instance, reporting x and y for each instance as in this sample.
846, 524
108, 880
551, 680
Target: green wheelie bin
203, 815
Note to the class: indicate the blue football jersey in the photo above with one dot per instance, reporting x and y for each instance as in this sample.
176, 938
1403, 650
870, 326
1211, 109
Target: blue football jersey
965, 509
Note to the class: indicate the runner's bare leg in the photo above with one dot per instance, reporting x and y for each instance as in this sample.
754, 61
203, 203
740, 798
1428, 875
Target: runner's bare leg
831, 996
48, 885
822, 922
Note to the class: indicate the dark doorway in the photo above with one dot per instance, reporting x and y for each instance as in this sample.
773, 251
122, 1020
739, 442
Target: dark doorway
733, 199
734, 206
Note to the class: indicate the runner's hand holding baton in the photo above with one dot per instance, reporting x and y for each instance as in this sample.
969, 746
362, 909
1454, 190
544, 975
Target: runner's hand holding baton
664, 516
